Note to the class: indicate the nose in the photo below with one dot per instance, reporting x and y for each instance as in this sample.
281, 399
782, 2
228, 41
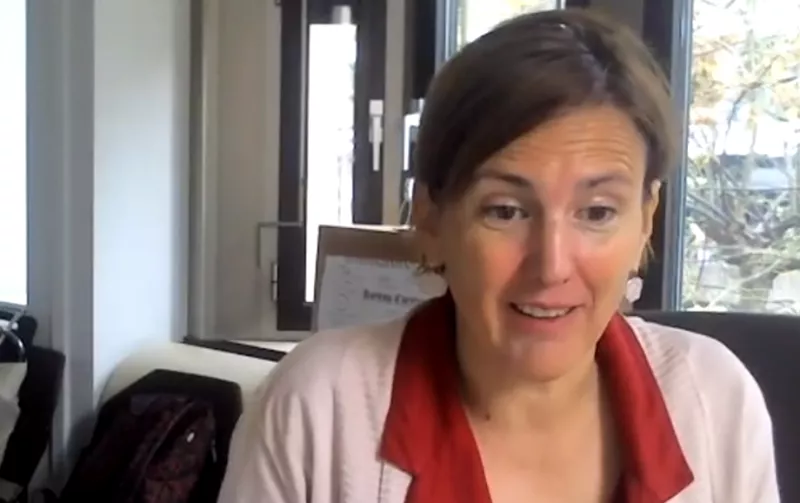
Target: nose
550, 254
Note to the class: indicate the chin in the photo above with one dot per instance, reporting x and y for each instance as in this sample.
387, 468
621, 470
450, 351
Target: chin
542, 360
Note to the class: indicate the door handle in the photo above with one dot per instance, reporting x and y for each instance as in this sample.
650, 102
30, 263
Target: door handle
376, 132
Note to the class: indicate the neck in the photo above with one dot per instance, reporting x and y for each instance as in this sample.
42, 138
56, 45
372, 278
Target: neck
495, 394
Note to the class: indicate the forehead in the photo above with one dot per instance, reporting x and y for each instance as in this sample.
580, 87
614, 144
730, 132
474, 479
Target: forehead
585, 142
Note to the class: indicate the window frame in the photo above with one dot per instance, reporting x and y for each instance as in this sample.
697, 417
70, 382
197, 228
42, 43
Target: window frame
666, 28
290, 302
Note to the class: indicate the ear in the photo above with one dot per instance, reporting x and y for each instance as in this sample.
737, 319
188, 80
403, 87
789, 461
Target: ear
425, 219
649, 207
423, 210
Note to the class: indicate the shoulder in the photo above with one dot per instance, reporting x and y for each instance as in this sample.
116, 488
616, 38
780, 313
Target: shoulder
357, 360
705, 363
718, 411
332, 390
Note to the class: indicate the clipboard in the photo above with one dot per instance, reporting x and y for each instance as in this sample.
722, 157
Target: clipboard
373, 245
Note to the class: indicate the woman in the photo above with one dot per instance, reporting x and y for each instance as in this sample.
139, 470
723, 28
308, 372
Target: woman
540, 154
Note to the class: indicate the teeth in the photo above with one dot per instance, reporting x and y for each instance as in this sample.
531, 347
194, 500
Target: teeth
538, 312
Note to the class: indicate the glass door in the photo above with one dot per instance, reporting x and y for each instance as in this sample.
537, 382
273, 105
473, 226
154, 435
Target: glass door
331, 97
332, 52
344, 128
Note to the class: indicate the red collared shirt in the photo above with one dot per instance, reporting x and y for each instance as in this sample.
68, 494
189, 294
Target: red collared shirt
428, 435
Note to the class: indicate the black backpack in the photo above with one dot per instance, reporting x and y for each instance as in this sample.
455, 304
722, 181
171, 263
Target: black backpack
162, 440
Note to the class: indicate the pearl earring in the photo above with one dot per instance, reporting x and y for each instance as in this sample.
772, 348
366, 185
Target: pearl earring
634, 289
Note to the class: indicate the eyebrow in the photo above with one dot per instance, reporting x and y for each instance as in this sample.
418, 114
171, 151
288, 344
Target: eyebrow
586, 184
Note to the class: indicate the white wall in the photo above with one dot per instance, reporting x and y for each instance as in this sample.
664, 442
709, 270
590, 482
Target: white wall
108, 170
141, 142
60, 189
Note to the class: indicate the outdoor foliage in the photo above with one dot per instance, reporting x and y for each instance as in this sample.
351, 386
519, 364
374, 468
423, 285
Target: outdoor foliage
743, 203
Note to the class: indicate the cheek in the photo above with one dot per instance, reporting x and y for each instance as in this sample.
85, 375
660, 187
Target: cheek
480, 267
480, 262
604, 268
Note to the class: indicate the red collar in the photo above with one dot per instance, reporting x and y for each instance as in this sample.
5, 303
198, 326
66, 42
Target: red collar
427, 433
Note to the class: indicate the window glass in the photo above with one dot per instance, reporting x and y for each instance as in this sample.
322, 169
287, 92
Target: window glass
742, 229
476, 17
13, 164
331, 73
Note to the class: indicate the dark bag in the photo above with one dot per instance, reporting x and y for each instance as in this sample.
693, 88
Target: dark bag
146, 448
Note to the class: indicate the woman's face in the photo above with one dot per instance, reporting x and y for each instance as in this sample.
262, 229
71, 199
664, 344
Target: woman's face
539, 249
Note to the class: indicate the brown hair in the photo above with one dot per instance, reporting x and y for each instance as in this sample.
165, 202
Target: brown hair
526, 71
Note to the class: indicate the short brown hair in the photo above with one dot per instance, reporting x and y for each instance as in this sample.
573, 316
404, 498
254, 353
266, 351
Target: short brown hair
525, 72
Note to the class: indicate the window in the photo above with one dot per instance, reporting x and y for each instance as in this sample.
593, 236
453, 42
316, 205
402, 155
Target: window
13, 155
741, 233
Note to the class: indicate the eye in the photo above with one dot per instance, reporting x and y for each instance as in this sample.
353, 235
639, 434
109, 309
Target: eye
597, 215
504, 212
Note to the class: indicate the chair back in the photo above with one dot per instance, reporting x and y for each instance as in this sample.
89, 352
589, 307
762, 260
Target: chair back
38, 398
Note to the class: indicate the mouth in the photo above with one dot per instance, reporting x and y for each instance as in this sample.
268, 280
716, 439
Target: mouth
540, 312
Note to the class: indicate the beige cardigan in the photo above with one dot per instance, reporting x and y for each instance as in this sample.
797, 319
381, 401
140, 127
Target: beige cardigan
313, 432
